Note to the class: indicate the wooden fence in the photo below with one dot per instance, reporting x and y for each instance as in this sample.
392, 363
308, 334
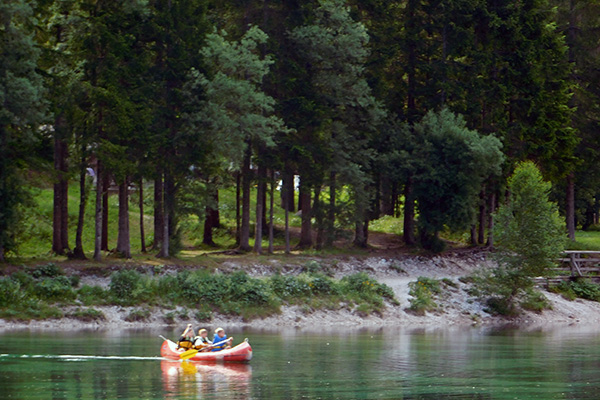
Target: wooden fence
574, 264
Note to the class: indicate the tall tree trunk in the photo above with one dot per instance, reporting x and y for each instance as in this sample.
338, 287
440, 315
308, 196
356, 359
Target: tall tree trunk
246, 180
287, 189
360, 240
78, 252
271, 211
60, 232
159, 210
474, 235
105, 187
287, 226
318, 212
214, 210
98, 216
169, 217
123, 240
260, 210
409, 214
211, 217
306, 229
482, 216
2, 259
330, 230
141, 205
207, 235
570, 215
386, 203
491, 209
238, 187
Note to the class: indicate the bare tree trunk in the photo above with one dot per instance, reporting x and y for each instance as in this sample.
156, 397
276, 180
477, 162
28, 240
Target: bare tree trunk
474, 235
238, 186
164, 249
287, 224
78, 252
318, 212
271, 211
123, 242
60, 233
214, 210
260, 211
482, 217
305, 230
159, 214
491, 209
105, 187
330, 230
211, 217
98, 234
570, 215
387, 201
409, 214
246, 180
141, 205
287, 189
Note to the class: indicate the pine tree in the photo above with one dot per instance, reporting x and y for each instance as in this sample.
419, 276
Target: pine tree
22, 113
234, 112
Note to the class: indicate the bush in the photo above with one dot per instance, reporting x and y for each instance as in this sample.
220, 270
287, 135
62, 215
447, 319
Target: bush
92, 295
10, 292
57, 288
125, 285
585, 289
286, 286
423, 292
138, 315
49, 270
535, 301
87, 315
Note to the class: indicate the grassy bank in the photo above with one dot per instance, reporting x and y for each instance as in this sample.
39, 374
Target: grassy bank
46, 291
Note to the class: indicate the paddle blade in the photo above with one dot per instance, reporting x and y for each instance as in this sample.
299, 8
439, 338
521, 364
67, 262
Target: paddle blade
188, 354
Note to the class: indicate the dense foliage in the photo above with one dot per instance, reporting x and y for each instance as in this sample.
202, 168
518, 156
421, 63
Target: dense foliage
407, 108
39, 292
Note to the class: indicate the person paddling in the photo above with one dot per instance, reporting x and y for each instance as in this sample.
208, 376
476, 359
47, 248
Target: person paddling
221, 341
186, 340
202, 343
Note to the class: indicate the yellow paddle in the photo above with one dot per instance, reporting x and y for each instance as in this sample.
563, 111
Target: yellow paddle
188, 354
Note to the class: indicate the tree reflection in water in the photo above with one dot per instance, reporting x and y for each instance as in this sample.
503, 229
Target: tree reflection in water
197, 380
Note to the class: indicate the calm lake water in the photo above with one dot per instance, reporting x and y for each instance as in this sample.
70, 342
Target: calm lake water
294, 364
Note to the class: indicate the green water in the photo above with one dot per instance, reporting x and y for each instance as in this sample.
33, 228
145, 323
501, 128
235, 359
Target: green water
293, 364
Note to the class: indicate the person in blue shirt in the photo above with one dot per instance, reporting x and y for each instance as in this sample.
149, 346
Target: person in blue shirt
221, 341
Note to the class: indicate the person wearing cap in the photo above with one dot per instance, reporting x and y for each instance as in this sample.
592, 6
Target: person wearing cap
186, 340
202, 343
221, 341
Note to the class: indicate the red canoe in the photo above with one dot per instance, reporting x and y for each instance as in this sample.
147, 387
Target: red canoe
241, 352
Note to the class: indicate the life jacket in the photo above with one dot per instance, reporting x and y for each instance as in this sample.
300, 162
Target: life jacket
184, 343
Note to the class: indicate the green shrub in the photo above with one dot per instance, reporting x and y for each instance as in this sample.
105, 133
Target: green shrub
138, 315
57, 288
564, 289
203, 316
362, 284
321, 285
49, 270
535, 301
87, 315
10, 292
92, 295
423, 292
125, 285
501, 306
287, 286
585, 289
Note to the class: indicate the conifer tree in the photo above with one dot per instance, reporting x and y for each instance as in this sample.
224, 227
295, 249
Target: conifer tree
22, 113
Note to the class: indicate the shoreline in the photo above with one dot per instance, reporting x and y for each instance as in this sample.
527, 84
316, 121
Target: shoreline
456, 308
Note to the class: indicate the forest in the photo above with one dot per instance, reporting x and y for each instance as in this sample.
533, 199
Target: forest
338, 112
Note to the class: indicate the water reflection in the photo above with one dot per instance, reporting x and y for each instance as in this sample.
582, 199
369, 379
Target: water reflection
196, 380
